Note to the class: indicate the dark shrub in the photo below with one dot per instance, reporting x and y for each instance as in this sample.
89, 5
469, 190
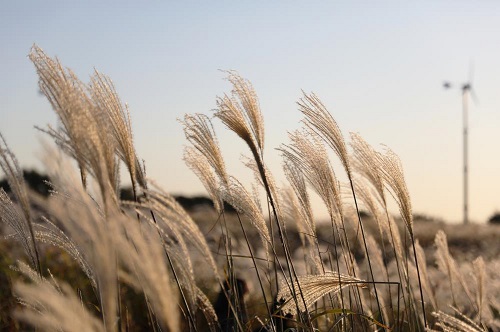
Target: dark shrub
495, 219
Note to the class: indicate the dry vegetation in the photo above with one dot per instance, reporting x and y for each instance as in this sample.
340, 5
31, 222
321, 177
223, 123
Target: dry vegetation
85, 260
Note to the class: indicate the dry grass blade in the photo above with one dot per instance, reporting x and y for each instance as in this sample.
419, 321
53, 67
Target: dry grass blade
314, 287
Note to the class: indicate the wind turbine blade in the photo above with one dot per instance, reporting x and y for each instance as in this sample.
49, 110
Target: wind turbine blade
474, 97
471, 71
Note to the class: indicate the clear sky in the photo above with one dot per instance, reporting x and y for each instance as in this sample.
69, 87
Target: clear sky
377, 65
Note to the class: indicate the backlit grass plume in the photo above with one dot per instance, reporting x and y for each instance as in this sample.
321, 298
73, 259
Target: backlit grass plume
52, 306
320, 121
108, 103
85, 133
200, 133
10, 214
201, 167
314, 287
243, 202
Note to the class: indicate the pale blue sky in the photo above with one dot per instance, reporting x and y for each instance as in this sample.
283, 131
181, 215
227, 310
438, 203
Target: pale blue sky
377, 65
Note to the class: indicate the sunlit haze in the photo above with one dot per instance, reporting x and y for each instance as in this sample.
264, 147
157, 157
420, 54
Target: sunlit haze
378, 66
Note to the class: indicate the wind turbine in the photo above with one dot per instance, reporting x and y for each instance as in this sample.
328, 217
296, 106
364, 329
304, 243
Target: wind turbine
467, 91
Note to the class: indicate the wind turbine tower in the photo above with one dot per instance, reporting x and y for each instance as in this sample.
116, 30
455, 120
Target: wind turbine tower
466, 92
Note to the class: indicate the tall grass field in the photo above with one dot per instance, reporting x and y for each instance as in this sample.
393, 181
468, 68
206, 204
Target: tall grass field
89, 258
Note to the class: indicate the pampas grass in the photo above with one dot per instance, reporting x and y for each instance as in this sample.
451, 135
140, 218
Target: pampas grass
149, 265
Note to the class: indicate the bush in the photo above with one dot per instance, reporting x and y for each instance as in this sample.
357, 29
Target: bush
494, 219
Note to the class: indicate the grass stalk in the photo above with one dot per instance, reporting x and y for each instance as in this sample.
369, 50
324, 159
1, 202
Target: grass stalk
366, 248
256, 270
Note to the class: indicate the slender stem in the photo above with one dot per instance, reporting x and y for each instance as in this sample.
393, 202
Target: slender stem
256, 270
183, 296
366, 248
419, 282
289, 262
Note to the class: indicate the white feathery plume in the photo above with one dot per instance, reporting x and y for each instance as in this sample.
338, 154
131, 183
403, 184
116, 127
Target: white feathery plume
201, 167
242, 201
314, 287
141, 251
200, 133
308, 156
52, 306
321, 122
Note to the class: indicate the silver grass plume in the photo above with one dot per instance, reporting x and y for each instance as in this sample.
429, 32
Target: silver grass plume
10, 215
453, 324
240, 112
244, 101
480, 279
301, 196
175, 245
314, 287
364, 161
51, 306
376, 255
107, 101
140, 251
201, 167
85, 133
368, 197
294, 211
199, 131
49, 233
66, 95
446, 263
426, 282
242, 201
321, 122
309, 156
206, 307
172, 212
392, 173
90, 232
22, 225
299, 207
